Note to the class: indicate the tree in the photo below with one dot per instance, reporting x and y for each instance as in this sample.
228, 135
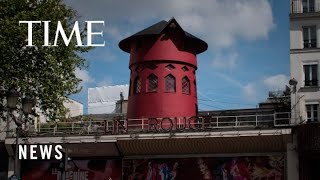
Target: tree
45, 73
281, 100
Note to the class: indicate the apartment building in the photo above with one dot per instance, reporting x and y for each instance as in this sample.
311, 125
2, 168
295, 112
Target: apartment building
305, 99
305, 58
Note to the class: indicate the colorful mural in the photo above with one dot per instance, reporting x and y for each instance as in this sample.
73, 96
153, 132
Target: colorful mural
218, 168
76, 170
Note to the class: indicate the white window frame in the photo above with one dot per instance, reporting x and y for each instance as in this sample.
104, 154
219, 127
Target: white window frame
309, 27
312, 112
304, 75
308, 5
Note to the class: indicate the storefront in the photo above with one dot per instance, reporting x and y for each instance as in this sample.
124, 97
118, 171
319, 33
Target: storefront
77, 169
212, 158
211, 168
308, 139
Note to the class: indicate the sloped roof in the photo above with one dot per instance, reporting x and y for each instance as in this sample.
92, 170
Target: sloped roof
157, 29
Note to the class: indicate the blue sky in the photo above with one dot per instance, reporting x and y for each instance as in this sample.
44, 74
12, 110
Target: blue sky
248, 40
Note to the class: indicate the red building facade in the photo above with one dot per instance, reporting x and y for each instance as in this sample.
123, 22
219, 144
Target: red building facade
163, 66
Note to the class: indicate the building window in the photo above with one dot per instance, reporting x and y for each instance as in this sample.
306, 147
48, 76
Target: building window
137, 85
308, 5
152, 83
312, 112
170, 83
184, 68
309, 37
311, 75
170, 67
151, 66
139, 68
185, 85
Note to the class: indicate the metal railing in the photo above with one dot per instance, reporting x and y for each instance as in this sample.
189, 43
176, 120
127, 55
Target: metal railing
154, 125
304, 6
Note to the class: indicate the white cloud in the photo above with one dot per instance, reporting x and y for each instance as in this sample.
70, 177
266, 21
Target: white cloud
221, 23
84, 76
250, 92
276, 82
228, 61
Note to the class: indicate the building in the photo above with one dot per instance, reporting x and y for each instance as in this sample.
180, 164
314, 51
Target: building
8, 129
163, 66
73, 109
103, 100
304, 58
304, 66
149, 140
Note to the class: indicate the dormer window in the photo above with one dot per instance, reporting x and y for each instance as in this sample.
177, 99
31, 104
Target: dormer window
184, 68
170, 67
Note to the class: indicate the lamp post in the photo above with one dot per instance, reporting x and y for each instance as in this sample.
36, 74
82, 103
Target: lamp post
27, 105
293, 82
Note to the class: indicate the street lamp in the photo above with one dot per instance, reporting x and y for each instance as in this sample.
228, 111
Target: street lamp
293, 82
27, 105
12, 99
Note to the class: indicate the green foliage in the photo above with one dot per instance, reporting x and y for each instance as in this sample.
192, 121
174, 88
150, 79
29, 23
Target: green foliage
46, 73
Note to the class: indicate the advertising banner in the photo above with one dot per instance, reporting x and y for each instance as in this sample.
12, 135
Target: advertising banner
75, 170
209, 168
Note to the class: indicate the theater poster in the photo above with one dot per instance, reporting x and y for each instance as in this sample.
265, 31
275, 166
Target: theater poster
76, 170
213, 168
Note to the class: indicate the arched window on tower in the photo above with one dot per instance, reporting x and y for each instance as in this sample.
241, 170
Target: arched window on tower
137, 85
152, 83
170, 83
185, 85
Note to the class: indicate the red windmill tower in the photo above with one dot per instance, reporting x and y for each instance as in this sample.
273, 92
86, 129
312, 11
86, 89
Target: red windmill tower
163, 63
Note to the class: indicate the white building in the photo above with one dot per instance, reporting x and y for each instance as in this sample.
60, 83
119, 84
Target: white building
74, 108
305, 97
305, 59
102, 100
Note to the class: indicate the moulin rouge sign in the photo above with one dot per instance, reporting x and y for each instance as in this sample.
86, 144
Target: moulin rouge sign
165, 124
60, 31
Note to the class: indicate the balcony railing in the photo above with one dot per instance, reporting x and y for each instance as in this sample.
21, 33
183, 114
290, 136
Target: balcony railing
160, 125
311, 83
310, 43
304, 6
